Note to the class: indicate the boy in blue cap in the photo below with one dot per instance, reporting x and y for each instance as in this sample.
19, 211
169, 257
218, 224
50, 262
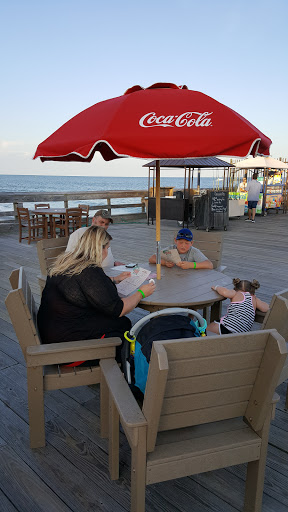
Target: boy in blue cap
190, 256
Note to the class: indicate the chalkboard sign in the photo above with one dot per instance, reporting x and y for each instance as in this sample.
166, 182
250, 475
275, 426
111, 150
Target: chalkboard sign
218, 201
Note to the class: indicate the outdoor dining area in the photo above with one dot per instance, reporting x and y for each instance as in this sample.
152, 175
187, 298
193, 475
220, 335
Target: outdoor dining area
209, 431
69, 418
44, 222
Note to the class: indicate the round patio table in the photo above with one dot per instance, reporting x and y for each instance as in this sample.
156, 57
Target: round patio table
188, 289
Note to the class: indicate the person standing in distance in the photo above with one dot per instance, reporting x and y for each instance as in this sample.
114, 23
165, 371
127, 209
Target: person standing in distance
101, 218
254, 188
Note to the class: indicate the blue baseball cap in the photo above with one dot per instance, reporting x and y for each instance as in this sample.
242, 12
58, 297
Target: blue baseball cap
185, 234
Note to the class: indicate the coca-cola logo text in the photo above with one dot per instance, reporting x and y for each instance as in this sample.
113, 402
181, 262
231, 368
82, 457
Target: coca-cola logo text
198, 119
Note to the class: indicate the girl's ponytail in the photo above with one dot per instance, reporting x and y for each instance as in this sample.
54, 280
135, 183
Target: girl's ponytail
245, 286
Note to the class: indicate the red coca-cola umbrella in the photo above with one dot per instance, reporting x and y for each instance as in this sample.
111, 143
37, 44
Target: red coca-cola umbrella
162, 121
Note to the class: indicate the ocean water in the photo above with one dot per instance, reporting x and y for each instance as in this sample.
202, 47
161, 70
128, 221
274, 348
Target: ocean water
32, 183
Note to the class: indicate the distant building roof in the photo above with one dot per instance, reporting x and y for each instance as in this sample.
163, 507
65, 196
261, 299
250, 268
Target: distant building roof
210, 161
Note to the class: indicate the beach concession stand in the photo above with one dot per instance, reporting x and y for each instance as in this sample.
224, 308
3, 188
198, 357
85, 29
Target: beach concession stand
273, 175
207, 208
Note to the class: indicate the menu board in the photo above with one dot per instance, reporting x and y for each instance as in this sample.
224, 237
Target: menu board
218, 201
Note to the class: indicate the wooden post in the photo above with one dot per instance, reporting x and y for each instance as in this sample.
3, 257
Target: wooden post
158, 216
265, 182
189, 187
15, 206
109, 205
66, 203
198, 181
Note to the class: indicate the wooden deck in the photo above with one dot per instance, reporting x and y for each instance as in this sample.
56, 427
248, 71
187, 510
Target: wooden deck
71, 472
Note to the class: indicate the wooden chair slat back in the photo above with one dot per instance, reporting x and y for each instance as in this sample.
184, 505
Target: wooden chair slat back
23, 216
14, 278
23, 312
85, 213
211, 244
70, 222
273, 360
277, 316
211, 379
154, 393
48, 250
74, 217
41, 205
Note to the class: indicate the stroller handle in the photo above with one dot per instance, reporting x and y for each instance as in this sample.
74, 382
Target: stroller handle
171, 311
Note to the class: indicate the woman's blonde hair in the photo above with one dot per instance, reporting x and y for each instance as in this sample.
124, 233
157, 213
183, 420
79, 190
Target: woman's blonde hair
87, 252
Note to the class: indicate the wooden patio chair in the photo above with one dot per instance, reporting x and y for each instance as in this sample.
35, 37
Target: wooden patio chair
277, 318
44, 371
207, 405
85, 214
32, 224
48, 250
211, 244
37, 206
68, 222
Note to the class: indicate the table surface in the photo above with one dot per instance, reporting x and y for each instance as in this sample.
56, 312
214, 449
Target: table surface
183, 288
49, 211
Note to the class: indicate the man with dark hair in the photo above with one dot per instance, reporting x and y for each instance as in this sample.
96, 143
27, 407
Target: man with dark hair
101, 218
254, 188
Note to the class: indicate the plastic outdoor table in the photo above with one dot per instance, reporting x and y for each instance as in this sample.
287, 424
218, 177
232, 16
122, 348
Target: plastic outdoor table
186, 288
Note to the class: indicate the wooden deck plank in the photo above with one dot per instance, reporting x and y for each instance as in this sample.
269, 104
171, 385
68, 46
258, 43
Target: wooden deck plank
5, 503
71, 473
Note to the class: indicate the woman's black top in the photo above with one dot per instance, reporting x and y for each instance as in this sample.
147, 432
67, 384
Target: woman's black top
83, 306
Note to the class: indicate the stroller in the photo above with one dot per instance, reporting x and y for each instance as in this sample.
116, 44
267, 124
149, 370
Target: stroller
170, 323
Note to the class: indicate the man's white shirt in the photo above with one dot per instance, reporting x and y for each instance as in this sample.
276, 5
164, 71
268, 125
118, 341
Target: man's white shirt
74, 239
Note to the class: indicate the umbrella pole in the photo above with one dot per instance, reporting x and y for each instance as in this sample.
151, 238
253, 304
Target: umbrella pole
158, 236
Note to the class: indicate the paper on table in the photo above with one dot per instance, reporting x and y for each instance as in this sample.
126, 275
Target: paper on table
171, 255
129, 285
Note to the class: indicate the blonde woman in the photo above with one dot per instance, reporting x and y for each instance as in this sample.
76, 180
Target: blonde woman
79, 300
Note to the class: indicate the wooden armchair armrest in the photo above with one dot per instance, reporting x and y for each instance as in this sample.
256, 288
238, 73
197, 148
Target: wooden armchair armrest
65, 352
129, 411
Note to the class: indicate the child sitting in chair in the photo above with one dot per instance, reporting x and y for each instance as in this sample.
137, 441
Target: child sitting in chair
241, 310
189, 255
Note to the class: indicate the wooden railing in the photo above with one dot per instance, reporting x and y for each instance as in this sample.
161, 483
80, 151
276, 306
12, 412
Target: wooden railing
20, 198
106, 197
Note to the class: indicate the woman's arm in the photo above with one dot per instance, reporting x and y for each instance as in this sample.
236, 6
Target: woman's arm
225, 292
120, 277
129, 303
262, 306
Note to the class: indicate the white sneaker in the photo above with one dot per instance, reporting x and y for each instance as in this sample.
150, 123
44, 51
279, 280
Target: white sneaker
247, 220
253, 221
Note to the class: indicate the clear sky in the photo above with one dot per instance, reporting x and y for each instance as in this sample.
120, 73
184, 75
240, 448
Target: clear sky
58, 57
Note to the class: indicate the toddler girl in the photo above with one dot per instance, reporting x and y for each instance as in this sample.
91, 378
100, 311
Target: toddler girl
241, 310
